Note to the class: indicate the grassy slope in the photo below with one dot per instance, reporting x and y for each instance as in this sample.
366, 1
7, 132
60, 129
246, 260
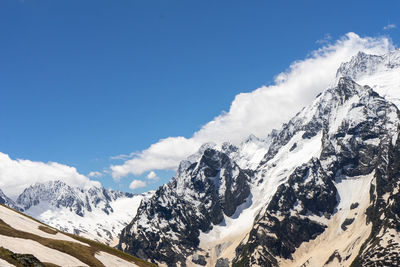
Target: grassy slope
79, 251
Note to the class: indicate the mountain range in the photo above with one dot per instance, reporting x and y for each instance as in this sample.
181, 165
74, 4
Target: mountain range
323, 190
93, 212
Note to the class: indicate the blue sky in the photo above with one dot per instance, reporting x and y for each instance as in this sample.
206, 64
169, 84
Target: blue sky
83, 81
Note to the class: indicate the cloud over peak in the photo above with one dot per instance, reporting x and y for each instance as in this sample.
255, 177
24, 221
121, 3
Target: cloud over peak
261, 110
16, 175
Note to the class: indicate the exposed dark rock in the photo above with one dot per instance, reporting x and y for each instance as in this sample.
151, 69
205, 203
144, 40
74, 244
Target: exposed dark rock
354, 205
27, 260
335, 255
222, 262
199, 259
346, 223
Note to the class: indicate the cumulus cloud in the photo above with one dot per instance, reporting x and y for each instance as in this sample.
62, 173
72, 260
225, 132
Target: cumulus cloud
95, 174
16, 175
152, 176
261, 110
137, 184
390, 26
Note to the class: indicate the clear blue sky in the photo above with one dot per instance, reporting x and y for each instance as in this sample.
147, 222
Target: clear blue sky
82, 81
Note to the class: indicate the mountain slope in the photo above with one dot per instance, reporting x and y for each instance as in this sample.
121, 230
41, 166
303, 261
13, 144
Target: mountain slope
24, 240
359, 130
166, 227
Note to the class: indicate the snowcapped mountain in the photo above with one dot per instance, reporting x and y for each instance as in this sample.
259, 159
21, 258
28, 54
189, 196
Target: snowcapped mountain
94, 212
27, 242
203, 191
323, 190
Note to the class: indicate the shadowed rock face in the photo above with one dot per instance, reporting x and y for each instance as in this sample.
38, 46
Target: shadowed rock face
167, 226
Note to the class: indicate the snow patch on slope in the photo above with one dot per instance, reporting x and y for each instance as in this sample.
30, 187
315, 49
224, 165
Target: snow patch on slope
386, 84
111, 260
3, 263
21, 223
233, 229
43, 253
96, 224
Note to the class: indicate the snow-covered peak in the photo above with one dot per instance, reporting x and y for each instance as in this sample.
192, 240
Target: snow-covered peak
94, 212
59, 194
196, 156
365, 64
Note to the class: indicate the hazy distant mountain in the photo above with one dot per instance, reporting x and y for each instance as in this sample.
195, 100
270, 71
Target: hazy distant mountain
93, 212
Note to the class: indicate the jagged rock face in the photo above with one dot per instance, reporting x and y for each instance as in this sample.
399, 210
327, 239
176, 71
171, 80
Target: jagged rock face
365, 64
59, 194
383, 245
167, 226
359, 129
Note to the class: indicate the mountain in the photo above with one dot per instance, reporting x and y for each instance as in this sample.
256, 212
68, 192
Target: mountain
27, 242
203, 191
321, 191
94, 212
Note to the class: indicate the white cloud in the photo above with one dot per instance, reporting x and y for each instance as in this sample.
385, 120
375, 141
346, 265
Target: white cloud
390, 26
137, 184
123, 156
95, 174
16, 175
261, 110
152, 176
162, 155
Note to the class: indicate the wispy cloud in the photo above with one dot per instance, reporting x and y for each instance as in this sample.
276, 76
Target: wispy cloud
390, 26
135, 184
261, 110
124, 156
325, 40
